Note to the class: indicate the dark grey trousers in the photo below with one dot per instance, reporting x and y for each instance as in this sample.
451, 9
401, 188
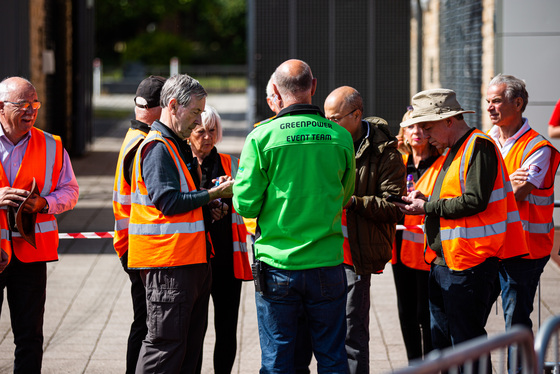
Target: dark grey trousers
177, 306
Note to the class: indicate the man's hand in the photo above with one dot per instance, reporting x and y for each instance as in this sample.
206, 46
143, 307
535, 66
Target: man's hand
519, 176
225, 189
3, 260
12, 196
416, 206
521, 187
218, 210
34, 204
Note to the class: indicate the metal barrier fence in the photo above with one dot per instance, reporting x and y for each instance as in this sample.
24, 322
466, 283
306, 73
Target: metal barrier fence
473, 356
547, 334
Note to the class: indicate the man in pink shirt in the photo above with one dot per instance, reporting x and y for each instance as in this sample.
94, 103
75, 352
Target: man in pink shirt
28, 154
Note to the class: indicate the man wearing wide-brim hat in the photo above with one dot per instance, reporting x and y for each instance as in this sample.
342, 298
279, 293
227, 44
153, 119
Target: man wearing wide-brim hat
471, 219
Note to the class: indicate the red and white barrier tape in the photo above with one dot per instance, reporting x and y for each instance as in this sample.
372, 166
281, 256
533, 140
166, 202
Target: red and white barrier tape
111, 234
403, 227
87, 235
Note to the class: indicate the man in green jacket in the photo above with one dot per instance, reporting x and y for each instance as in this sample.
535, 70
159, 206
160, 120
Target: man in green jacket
371, 220
295, 175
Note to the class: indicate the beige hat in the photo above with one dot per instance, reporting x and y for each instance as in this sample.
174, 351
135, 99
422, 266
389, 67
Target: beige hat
434, 105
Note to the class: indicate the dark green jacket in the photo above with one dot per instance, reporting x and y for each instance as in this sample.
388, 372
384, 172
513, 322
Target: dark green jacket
380, 171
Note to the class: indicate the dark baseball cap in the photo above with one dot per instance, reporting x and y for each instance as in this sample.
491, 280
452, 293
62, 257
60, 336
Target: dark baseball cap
149, 90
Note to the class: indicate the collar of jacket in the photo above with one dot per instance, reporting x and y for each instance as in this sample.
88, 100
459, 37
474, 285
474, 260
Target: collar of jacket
295, 109
139, 125
378, 139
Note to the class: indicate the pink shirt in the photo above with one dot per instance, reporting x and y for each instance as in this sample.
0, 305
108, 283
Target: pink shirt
65, 195
537, 164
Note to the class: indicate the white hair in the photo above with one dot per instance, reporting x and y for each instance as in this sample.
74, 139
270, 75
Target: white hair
212, 120
269, 89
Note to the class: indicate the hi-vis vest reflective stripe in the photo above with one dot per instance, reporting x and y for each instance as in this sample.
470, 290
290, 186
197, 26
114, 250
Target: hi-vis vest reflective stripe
42, 161
412, 247
121, 192
241, 265
537, 208
157, 240
495, 232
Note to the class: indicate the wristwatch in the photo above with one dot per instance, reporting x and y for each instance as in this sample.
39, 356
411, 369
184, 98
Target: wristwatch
45, 209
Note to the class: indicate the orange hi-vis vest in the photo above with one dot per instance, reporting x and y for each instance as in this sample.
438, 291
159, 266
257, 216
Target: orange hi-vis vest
241, 265
346, 244
495, 232
42, 161
412, 247
537, 208
121, 191
157, 240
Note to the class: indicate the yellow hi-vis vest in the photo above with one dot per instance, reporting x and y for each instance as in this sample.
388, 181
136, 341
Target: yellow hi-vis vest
241, 265
157, 240
495, 232
42, 161
412, 247
537, 208
121, 191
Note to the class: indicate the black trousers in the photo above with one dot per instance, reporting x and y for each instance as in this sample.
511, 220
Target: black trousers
138, 328
26, 285
414, 312
177, 307
226, 295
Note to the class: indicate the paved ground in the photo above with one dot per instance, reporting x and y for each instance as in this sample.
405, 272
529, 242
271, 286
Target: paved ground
88, 310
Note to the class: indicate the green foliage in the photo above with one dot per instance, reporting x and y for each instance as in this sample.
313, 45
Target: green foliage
155, 47
196, 31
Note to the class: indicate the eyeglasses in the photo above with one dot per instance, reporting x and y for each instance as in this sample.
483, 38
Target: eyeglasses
337, 120
25, 104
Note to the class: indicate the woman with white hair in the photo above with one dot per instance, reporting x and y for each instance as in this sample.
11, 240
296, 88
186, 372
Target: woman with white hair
230, 262
410, 271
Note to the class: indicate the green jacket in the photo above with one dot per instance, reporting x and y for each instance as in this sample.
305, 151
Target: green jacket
296, 172
380, 171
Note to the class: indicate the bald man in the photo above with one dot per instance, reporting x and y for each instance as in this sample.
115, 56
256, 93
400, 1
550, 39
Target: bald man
28, 154
295, 175
371, 220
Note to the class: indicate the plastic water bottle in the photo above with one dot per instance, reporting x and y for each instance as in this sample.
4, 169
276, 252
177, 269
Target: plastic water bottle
409, 183
216, 184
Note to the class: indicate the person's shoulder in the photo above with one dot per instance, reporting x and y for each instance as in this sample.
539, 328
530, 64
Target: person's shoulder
263, 122
376, 121
379, 130
35, 130
485, 144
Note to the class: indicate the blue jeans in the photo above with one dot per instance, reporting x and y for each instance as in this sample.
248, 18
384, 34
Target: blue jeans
357, 321
460, 302
321, 294
519, 279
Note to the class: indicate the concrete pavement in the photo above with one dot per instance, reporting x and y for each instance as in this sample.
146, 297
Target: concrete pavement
88, 310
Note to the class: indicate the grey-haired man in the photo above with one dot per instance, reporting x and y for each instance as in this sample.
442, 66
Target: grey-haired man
167, 232
146, 111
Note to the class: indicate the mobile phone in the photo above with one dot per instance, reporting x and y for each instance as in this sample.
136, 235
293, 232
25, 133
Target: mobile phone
259, 276
396, 199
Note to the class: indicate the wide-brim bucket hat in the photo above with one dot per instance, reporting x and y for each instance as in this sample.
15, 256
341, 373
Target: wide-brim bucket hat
434, 105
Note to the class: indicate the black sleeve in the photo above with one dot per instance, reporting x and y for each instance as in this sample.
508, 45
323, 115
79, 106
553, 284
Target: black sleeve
162, 182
